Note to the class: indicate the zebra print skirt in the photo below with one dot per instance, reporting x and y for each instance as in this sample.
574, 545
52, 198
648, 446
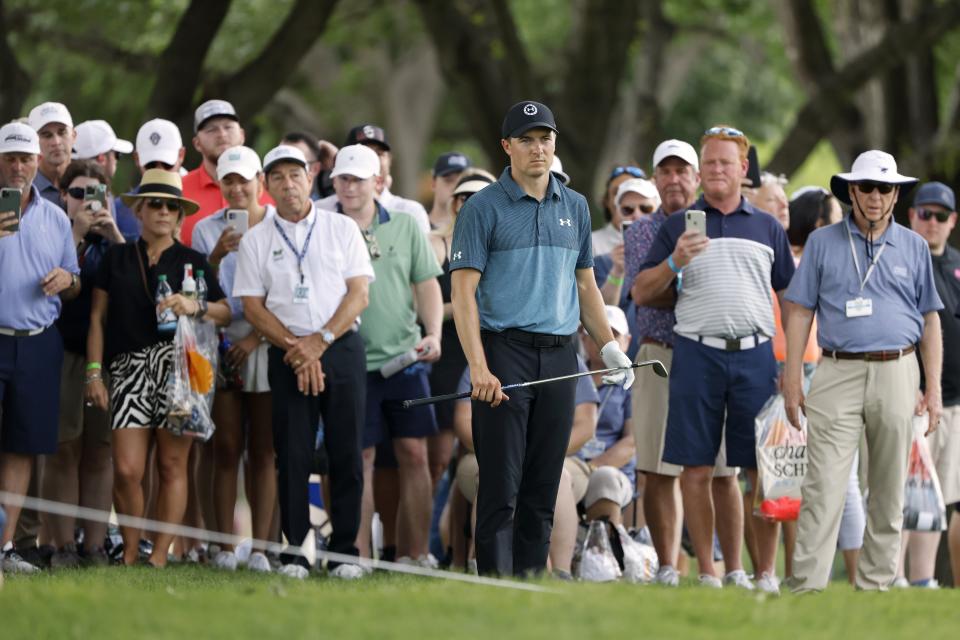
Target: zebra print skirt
138, 387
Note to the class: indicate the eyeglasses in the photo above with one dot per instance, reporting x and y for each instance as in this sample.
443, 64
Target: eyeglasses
164, 203
723, 131
373, 247
636, 172
926, 214
76, 193
629, 210
868, 187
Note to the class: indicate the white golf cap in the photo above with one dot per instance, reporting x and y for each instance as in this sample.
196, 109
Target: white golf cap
640, 186
676, 149
557, 169
213, 109
95, 137
159, 141
356, 160
283, 153
16, 137
241, 160
43, 114
617, 319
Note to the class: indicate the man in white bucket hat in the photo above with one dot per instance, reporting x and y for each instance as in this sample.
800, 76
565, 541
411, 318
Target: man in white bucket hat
870, 282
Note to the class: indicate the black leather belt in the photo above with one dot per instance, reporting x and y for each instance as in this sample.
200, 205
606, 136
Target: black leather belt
537, 340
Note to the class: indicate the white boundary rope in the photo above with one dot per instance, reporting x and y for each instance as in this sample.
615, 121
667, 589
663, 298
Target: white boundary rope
85, 513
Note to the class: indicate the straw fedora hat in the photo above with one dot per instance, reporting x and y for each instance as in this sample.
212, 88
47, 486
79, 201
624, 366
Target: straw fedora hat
157, 183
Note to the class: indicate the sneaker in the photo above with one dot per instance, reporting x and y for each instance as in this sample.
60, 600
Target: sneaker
258, 562
667, 576
738, 578
563, 576
710, 582
194, 556
11, 562
226, 560
39, 557
348, 572
406, 560
769, 584
428, 561
294, 571
928, 583
472, 567
95, 557
66, 558
901, 583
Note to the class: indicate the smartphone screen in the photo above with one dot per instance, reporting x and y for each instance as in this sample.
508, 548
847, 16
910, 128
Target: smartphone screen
10, 201
239, 219
696, 220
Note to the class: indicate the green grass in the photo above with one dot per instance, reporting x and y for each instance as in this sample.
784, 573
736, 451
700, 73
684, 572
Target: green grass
196, 603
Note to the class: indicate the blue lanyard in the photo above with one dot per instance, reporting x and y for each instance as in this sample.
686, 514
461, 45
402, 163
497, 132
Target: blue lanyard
306, 243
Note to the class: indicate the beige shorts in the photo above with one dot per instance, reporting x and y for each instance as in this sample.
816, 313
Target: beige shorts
651, 395
75, 417
945, 449
606, 483
253, 372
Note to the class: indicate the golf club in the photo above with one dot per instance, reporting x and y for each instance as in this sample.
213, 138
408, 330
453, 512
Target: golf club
658, 369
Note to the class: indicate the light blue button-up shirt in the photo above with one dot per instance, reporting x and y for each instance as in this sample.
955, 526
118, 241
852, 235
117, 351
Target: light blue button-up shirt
901, 288
44, 242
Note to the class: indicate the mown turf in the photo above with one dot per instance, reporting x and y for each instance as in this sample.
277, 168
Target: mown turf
194, 603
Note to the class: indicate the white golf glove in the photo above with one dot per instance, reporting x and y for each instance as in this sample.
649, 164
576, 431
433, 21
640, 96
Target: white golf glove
613, 356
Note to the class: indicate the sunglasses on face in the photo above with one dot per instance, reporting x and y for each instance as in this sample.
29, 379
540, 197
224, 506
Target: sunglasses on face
164, 203
636, 172
76, 193
926, 214
868, 187
723, 131
373, 247
629, 210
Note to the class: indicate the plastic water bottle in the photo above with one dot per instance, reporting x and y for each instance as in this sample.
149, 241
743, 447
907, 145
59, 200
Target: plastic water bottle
189, 286
166, 319
201, 286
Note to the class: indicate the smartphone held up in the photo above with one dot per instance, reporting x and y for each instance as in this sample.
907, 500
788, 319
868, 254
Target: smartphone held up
10, 203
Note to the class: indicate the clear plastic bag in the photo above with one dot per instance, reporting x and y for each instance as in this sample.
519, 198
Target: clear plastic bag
640, 563
597, 562
781, 462
192, 380
923, 505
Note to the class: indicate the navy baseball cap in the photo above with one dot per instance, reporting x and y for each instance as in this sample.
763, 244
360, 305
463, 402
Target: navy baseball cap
451, 162
527, 115
367, 134
935, 193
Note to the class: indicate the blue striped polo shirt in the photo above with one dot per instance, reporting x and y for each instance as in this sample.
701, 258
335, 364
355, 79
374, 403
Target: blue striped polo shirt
528, 252
726, 291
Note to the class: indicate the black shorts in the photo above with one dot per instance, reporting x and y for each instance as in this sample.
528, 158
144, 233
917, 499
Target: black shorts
30, 392
386, 417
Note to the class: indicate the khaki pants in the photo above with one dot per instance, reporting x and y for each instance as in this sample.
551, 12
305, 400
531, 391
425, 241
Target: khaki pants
849, 398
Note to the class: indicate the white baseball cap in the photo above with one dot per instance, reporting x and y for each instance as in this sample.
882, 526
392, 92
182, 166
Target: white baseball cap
213, 109
676, 149
282, 153
241, 160
637, 185
159, 141
356, 160
16, 137
617, 319
557, 169
95, 137
43, 114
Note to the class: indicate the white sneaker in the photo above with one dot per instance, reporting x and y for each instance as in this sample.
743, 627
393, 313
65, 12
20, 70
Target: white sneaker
769, 584
407, 560
667, 576
710, 582
226, 560
11, 562
472, 567
348, 572
901, 583
428, 561
259, 562
294, 571
738, 578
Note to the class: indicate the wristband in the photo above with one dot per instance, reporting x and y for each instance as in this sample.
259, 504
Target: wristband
94, 366
673, 265
615, 280
94, 378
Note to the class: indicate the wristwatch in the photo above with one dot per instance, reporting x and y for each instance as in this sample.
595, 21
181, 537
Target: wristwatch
327, 336
74, 281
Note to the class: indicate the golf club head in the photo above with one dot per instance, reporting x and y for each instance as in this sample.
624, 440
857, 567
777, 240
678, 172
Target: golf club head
659, 369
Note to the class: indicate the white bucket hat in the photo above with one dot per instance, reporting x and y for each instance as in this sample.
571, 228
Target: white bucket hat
870, 166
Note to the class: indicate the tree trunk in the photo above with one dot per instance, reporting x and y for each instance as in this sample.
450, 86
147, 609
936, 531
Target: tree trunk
14, 81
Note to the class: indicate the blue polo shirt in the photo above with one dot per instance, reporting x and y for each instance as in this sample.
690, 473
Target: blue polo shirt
528, 253
48, 190
44, 242
726, 291
902, 288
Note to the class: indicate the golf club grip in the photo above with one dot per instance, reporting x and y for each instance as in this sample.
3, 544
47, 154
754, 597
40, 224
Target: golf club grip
433, 399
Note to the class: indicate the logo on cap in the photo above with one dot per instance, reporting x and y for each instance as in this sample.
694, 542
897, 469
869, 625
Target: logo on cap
369, 132
234, 156
155, 138
530, 109
16, 137
47, 110
884, 169
458, 161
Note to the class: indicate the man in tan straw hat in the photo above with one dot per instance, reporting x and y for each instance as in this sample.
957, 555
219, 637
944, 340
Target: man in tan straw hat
870, 282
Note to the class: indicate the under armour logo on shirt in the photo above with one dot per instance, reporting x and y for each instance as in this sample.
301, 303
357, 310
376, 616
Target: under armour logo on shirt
458, 255
566, 222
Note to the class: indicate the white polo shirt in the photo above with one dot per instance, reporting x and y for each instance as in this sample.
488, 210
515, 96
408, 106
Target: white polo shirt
267, 267
392, 203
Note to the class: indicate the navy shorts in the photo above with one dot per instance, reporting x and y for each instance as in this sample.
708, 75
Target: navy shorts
30, 392
386, 417
709, 387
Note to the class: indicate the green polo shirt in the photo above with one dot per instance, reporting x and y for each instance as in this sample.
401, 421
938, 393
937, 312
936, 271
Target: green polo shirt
389, 324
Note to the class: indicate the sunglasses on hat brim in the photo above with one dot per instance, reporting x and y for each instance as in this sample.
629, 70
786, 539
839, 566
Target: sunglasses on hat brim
636, 172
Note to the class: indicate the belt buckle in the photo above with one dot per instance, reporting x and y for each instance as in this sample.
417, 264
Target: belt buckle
732, 344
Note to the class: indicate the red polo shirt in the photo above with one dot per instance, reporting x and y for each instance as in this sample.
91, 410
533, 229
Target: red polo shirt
203, 189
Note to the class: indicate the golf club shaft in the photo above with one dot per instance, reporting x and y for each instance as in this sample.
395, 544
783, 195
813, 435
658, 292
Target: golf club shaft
466, 394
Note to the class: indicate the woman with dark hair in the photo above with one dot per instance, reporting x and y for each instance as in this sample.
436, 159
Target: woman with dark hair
810, 209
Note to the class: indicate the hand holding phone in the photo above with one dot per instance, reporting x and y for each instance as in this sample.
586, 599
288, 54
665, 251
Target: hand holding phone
9, 211
239, 219
96, 195
694, 240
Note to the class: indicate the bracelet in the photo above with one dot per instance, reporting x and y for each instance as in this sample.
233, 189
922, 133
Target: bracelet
615, 280
201, 309
94, 378
673, 265
91, 366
